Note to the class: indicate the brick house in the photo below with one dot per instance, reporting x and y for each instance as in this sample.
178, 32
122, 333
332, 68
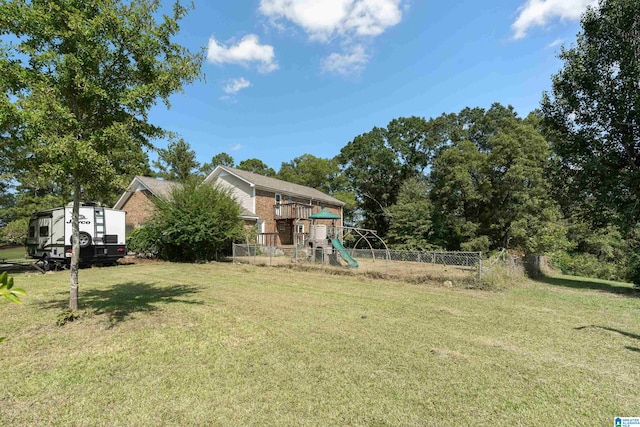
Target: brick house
138, 201
281, 208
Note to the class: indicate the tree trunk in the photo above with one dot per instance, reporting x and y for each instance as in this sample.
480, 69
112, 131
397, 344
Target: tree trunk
75, 249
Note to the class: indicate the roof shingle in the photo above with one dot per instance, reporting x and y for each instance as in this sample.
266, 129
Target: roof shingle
280, 186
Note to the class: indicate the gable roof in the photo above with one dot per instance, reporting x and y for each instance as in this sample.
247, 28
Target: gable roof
157, 187
276, 185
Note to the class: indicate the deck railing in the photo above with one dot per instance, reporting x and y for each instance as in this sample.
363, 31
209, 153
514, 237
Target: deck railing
267, 239
292, 211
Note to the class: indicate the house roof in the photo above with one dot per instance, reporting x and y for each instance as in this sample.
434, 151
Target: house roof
161, 188
157, 187
276, 185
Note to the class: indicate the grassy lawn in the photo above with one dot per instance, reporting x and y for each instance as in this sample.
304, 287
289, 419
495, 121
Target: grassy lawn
12, 253
218, 344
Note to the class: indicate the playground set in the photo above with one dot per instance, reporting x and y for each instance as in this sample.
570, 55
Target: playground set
366, 252
325, 242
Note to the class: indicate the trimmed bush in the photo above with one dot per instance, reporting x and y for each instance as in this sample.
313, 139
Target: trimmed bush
144, 241
197, 222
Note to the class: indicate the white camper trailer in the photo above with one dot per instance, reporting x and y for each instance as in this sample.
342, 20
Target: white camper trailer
102, 235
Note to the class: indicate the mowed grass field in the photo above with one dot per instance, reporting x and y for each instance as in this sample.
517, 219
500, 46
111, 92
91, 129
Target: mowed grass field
223, 344
13, 253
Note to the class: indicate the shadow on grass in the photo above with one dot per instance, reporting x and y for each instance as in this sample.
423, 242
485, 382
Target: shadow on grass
606, 328
583, 283
617, 331
121, 300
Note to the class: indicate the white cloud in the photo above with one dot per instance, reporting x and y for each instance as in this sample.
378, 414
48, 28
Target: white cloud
353, 22
324, 19
233, 86
352, 62
556, 42
246, 51
539, 12
235, 147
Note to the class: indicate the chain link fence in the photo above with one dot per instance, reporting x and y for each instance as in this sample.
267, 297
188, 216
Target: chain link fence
418, 264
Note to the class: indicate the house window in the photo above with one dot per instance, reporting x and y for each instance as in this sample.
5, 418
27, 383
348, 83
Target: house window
282, 227
300, 228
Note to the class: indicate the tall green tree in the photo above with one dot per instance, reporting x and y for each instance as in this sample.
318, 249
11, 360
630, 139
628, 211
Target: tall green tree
378, 162
410, 218
459, 192
177, 162
257, 166
7, 198
80, 77
489, 185
375, 174
223, 159
324, 175
592, 114
315, 172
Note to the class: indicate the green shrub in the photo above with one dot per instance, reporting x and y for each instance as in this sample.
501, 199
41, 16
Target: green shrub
633, 260
635, 276
197, 222
144, 241
588, 265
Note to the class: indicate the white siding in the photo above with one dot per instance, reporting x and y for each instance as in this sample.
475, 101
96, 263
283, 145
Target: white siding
240, 190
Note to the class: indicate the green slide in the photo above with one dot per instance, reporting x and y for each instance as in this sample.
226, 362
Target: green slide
344, 253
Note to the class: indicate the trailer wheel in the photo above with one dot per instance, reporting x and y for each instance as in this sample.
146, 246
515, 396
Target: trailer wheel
84, 238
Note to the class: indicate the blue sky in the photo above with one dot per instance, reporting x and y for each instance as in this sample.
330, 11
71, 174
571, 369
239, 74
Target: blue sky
288, 77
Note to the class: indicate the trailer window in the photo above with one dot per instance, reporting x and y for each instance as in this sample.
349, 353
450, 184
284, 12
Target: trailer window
44, 231
32, 231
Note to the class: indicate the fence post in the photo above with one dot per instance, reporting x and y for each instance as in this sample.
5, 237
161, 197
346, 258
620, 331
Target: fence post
479, 266
233, 253
387, 262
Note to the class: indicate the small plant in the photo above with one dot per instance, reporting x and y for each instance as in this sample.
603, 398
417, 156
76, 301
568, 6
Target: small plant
9, 292
67, 316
